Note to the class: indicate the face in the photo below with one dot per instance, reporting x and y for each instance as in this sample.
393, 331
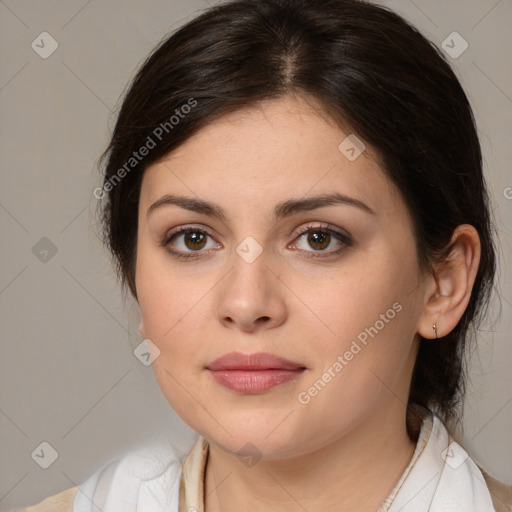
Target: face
333, 288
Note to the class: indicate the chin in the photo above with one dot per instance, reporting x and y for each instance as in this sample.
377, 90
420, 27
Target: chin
254, 434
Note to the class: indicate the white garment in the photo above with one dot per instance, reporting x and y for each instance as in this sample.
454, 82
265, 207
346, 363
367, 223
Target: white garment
144, 480
440, 477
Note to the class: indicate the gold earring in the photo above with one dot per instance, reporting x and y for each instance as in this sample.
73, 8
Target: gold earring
435, 330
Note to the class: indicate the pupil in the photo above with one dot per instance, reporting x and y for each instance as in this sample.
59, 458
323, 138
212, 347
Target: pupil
319, 238
196, 239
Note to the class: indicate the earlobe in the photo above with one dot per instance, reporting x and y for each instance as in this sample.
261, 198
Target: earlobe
141, 330
451, 285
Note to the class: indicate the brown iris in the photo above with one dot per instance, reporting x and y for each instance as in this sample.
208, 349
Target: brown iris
197, 240
320, 238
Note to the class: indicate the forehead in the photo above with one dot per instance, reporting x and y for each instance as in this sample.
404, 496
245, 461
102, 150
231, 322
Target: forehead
277, 149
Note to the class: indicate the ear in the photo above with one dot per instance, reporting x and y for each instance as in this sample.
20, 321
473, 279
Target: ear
448, 290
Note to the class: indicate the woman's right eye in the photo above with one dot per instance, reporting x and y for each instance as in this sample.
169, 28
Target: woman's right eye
189, 240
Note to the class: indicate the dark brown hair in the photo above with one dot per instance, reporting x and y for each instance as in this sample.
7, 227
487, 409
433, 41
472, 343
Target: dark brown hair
366, 66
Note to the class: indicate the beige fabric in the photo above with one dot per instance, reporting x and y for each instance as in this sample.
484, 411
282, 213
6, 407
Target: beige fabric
62, 502
501, 493
192, 478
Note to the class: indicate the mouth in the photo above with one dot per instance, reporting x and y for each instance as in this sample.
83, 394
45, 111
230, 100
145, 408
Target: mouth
253, 373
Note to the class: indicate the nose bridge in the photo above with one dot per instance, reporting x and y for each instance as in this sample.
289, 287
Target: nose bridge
250, 271
251, 293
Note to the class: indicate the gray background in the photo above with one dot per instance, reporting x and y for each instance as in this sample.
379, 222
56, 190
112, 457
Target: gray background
68, 374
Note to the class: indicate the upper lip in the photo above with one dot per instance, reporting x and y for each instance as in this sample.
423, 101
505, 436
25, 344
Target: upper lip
255, 361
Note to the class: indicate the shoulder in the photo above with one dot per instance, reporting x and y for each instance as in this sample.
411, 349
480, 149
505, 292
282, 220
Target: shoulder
501, 493
147, 477
61, 502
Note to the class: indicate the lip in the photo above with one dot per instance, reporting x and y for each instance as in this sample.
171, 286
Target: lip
253, 373
253, 362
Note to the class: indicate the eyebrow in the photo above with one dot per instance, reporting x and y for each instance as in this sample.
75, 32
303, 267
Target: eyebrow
281, 210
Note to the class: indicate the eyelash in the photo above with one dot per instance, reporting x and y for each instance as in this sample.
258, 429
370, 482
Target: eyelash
324, 228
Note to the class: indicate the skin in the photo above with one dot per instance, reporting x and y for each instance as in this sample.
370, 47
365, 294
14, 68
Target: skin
348, 445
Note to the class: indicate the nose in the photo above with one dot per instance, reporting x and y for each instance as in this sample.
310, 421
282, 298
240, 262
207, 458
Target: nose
251, 298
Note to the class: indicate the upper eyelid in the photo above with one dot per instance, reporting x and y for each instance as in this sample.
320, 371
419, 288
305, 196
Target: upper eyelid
191, 227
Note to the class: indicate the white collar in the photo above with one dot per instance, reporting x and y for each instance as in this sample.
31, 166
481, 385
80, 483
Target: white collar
441, 476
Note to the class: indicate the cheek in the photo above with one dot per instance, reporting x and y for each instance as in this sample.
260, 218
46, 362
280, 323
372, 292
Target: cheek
170, 310
369, 318
178, 319
367, 293
359, 373
166, 296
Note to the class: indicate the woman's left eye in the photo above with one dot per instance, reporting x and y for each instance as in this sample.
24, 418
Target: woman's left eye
187, 243
320, 238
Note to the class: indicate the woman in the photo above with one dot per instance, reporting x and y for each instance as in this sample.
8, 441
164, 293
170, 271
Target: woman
293, 194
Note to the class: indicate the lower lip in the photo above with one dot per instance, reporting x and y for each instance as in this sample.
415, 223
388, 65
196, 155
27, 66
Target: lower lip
255, 381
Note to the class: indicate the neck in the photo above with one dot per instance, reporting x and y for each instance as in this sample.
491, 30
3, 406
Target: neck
357, 472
